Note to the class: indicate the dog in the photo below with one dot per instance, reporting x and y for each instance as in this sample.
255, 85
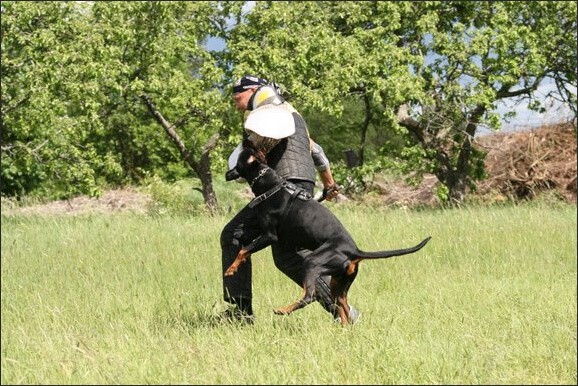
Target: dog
288, 213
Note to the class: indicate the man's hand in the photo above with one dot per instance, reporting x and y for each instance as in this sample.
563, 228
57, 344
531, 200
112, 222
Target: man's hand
330, 192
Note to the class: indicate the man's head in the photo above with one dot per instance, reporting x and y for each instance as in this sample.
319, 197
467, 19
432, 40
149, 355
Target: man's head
244, 89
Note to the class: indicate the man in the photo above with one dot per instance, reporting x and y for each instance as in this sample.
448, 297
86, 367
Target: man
296, 158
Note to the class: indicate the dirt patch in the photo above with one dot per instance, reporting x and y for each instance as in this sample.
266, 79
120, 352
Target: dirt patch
110, 202
402, 194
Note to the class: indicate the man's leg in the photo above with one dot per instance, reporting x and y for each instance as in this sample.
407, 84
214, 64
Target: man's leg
237, 289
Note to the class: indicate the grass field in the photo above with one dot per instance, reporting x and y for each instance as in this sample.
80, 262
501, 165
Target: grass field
129, 299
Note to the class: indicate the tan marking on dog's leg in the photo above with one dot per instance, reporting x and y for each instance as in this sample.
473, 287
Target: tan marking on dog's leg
343, 310
339, 289
286, 310
241, 257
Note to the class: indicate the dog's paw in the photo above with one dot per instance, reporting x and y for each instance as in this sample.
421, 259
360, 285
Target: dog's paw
230, 271
281, 311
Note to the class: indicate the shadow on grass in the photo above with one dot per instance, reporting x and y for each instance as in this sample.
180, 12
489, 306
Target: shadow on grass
196, 319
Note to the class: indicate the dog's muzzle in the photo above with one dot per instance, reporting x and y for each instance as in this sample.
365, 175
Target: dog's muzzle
232, 174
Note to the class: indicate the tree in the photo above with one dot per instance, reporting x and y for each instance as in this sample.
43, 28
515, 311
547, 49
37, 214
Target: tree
44, 147
73, 78
168, 63
423, 74
432, 72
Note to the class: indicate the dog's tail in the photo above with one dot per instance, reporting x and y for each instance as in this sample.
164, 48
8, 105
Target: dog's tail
392, 253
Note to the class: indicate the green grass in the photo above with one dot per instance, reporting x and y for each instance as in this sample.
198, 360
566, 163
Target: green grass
128, 299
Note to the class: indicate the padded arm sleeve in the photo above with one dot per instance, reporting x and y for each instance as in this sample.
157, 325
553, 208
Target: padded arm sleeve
319, 158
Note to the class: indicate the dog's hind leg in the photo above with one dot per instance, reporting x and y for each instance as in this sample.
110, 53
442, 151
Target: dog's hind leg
307, 298
340, 287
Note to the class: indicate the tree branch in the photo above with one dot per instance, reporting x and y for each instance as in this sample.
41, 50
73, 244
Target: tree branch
173, 135
412, 125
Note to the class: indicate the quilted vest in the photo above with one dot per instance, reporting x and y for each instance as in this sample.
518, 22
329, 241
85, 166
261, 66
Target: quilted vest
291, 158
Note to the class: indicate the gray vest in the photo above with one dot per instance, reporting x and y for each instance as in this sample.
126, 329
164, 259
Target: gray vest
291, 158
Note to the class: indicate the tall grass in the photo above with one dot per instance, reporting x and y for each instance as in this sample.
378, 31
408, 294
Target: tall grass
128, 299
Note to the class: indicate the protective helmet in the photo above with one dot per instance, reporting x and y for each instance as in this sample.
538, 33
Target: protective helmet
265, 95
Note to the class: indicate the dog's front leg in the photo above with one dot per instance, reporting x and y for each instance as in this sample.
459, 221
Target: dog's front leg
262, 242
256, 245
243, 255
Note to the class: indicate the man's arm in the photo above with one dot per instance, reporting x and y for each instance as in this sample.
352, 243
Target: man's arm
330, 188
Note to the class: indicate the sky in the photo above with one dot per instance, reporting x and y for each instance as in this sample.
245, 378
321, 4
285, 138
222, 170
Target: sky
526, 119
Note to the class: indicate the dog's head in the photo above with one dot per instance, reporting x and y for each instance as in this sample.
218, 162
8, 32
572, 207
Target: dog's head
249, 164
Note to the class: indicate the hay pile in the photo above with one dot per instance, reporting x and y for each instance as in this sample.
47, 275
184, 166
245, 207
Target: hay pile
520, 165
525, 163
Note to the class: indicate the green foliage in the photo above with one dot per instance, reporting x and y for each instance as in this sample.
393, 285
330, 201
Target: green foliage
356, 181
338, 134
334, 134
443, 193
174, 199
401, 83
431, 72
42, 142
72, 77
184, 197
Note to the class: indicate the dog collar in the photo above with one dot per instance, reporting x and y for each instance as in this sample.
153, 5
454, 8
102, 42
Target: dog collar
292, 189
262, 197
261, 174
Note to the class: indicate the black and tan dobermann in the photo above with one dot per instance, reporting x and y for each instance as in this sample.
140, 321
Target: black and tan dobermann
288, 214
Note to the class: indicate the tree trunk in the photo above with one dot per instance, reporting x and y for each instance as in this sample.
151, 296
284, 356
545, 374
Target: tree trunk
202, 168
364, 128
454, 176
458, 189
204, 172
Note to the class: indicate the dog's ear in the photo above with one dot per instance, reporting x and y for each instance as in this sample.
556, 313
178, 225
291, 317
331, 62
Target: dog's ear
248, 144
